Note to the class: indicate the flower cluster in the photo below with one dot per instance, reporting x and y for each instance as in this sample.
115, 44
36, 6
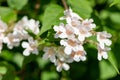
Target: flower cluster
73, 34
19, 33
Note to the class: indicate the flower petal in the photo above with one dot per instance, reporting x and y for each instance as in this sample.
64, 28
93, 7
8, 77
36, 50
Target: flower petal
26, 52
25, 45
67, 50
99, 56
81, 37
59, 68
105, 56
65, 66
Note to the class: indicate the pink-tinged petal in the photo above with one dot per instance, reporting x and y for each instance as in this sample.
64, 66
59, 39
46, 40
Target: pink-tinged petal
81, 38
45, 56
76, 58
56, 35
102, 45
99, 56
78, 48
105, 55
6, 40
108, 42
65, 66
63, 42
35, 51
56, 28
63, 35
25, 45
83, 58
26, 52
52, 58
59, 68
68, 19
67, 50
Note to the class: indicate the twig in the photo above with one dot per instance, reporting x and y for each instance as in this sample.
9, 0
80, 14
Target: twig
64, 4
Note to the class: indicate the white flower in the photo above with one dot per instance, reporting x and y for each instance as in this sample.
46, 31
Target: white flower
25, 24
49, 53
63, 31
11, 40
61, 65
103, 40
102, 53
71, 45
88, 23
62, 56
83, 33
60, 31
30, 47
20, 27
33, 26
79, 55
70, 14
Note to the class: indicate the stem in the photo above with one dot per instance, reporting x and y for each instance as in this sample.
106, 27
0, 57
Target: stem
65, 4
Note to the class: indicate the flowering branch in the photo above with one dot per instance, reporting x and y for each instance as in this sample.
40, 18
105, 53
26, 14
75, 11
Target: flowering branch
73, 35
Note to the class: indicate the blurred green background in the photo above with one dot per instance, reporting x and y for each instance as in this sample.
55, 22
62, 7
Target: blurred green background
106, 15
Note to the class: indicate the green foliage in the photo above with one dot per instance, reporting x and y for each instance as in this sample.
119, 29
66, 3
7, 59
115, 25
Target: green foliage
7, 14
115, 2
106, 70
49, 76
17, 4
82, 7
9, 70
15, 66
113, 61
3, 70
51, 17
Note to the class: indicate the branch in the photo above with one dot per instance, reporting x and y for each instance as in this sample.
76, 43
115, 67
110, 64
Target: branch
65, 4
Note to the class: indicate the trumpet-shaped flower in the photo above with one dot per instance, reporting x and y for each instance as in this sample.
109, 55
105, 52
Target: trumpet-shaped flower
49, 53
79, 55
30, 47
103, 40
102, 53
11, 40
71, 45
61, 65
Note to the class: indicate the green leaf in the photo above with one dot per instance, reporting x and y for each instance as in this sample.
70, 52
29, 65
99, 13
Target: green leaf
17, 4
51, 17
3, 70
113, 61
41, 62
18, 59
7, 14
115, 17
49, 75
0, 77
82, 7
106, 70
7, 55
114, 2
10, 73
